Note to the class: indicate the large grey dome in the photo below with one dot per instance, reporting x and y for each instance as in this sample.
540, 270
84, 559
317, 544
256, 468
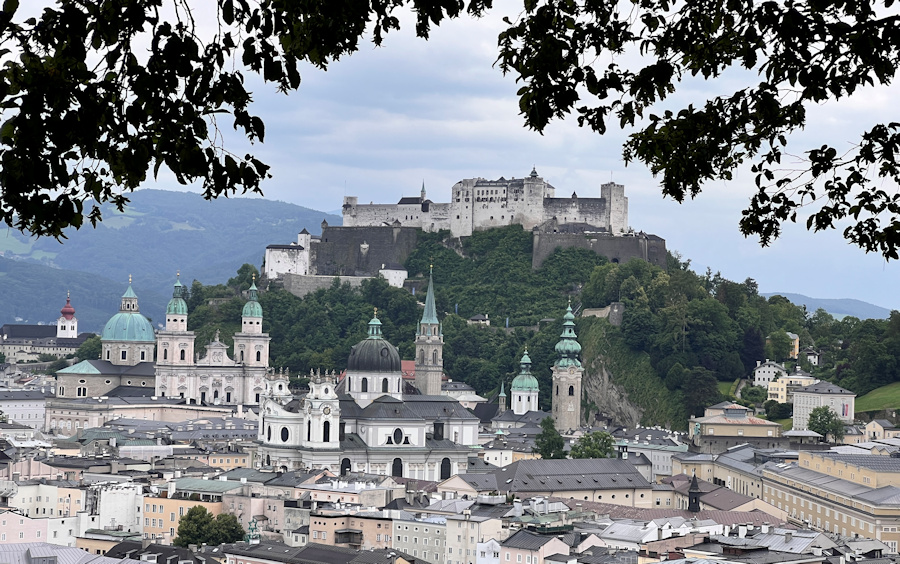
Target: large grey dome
374, 353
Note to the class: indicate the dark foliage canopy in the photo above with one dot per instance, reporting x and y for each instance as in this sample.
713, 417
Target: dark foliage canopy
97, 95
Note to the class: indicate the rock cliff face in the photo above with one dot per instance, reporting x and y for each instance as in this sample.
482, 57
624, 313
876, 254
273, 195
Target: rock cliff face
610, 398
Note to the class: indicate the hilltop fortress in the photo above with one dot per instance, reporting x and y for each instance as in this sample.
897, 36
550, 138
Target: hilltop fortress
376, 239
477, 204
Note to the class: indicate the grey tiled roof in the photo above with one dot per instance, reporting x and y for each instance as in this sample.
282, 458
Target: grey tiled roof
526, 540
557, 475
824, 387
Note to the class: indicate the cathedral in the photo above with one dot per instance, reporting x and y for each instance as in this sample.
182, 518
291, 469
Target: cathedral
134, 356
366, 422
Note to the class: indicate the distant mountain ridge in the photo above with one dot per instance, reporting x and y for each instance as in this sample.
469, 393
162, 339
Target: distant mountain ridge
836, 307
158, 234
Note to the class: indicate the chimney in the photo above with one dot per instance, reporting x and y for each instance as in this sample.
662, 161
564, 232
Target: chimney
742, 531
788, 536
765, 528
145, 543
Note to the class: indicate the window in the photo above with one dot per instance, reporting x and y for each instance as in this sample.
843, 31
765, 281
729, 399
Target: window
518, 557
324, 535
124, 355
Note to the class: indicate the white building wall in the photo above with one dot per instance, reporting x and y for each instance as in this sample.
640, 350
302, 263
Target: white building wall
120, 504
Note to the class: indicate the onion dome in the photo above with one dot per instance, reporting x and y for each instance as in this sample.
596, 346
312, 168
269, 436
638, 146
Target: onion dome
67, 311
524, 381
568, 347
128, 324
177, 305
374, 353
252, 307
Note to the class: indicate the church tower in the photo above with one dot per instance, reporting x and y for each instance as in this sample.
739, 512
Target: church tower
429, 347
567, 374
67, 324
323, 414
175, 344
524, 389
251, 345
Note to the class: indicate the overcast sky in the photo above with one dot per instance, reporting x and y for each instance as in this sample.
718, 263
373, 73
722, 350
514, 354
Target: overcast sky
379, 123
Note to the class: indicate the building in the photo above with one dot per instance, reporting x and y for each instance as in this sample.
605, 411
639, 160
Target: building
730, 425
215, 378
839, 400
26, 407
881, 429
567, 374
767, 372
477, 204
782, 390
526, 546
21, 343
846, 494
366, 422
524, 390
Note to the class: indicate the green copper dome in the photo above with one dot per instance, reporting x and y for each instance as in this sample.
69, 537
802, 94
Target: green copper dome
128, 324
524, 382
252, 307
568, 347
177, 305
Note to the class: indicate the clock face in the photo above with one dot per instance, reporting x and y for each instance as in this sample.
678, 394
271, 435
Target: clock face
571, 370
326, 411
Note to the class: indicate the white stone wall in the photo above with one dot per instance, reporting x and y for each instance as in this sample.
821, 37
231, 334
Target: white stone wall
394, 278
121, 504
478, 204
280, 261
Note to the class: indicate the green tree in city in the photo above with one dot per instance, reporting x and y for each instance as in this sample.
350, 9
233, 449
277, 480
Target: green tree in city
825, 421
89, 349
198, 526
549, 443
598, 444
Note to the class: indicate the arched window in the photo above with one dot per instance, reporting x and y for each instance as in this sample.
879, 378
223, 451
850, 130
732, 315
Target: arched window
182, 354
345, 466
445, 468
349, 384
242, 356
326, 432
384, 385
365, 385
557, 390
165, 354
434, 357
258, 356
269, 434
308, 430
215, 392
571, 390
397, 468
422, 356
268, 460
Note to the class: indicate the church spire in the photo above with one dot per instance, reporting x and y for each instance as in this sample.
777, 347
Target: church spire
429, 316
568, 347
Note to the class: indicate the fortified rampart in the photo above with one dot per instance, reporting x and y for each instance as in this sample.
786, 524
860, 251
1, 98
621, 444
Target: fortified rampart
360, 251
300, 285
617, 248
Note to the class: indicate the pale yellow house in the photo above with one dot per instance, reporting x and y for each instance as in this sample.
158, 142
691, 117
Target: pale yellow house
782, 389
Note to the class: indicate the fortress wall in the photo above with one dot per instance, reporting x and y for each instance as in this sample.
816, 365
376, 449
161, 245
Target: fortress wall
616, 248
592, 211
360, 251
617, 206
293, 260
374, 214
303, 285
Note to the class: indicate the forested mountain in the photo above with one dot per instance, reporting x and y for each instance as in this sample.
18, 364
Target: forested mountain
162, 232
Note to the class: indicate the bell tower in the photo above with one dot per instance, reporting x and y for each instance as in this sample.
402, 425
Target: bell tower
429, 347
567, 374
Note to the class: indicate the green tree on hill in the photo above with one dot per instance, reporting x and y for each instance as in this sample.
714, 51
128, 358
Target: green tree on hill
90, 349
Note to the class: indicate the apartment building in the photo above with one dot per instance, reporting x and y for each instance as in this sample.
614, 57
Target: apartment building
849, 494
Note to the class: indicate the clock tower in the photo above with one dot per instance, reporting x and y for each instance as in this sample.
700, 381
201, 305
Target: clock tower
567, 374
